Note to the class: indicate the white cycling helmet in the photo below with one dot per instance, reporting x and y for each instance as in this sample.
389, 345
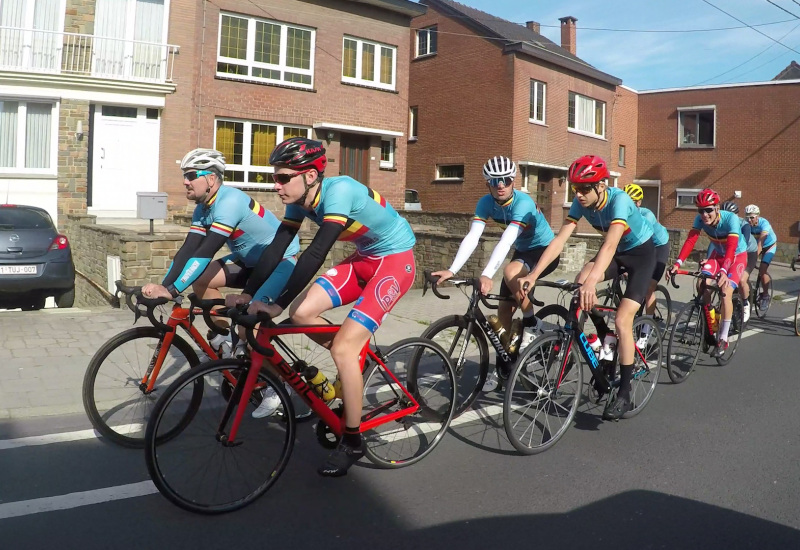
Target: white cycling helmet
499, 167
204, 159
752, 210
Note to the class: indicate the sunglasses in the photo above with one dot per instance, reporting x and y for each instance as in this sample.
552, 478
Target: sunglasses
582, 189
495, 182
752, 217
707, 210
191, 176
283, 179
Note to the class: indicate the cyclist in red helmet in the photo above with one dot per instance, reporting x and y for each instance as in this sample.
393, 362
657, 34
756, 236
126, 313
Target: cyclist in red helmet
628, 243
727, 260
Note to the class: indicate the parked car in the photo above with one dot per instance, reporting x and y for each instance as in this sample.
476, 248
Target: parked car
35, 260
412, 200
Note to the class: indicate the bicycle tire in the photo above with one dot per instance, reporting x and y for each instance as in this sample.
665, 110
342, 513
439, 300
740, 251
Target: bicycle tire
552, 317
530, 406
647, 361
433, 385
182, 469
685, 339
797, 316
759, 311
106, 407
734, 332
471, 372
663, 312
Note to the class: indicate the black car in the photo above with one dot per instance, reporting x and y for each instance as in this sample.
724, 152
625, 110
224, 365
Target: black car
35, 259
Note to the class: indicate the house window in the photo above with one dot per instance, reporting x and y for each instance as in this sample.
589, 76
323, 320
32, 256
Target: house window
266, 51
622, 155
28, 137
426, 41
686, 198
387, 153
37, 48
369, 63
247, 145
586, 115
537, 101
449, 171
696, 127
413, 119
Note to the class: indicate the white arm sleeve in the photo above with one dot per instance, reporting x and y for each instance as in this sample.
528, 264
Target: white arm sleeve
468, 246
501, 250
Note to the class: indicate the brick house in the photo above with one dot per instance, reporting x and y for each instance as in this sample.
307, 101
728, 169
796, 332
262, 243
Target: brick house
483, 86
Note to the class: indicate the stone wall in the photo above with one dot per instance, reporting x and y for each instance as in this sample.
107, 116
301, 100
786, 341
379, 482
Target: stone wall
73, 158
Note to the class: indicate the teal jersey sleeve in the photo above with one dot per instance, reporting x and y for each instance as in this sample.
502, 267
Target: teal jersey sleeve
519, 210
660, 235
761, 228
615, 207
728, 225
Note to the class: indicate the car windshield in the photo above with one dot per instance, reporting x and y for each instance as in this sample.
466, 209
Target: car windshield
16, 218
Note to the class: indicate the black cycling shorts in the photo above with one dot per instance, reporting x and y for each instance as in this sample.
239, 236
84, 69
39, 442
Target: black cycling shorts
640, 263
662, 257
236, 273
528, 258
752, 260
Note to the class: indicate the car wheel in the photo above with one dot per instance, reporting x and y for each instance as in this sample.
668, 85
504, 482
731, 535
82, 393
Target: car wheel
67, 299
35, 303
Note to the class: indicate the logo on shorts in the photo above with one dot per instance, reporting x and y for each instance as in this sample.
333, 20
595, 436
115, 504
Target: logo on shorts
387, 291
332, 272
408, 268
360, 299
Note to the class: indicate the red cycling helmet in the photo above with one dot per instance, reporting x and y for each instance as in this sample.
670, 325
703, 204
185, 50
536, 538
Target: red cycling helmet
588, 169
707, 197
299, 153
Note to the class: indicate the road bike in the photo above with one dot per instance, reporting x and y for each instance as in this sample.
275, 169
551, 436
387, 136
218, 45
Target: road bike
612, 294
759, 308
694, 328
222, 459
545, 388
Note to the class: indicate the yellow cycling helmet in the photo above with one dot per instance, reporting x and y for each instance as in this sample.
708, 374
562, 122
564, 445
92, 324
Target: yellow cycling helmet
634, 191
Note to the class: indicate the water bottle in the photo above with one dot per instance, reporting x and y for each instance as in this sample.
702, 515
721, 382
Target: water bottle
715, 316
319, 382
499, 329
514, 336
337, 387
594, 343
609, 347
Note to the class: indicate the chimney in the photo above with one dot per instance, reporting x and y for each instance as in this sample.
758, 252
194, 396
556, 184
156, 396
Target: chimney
533, 25
568, 32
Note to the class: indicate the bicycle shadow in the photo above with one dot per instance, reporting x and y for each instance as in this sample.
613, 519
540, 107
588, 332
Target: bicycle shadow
481, 426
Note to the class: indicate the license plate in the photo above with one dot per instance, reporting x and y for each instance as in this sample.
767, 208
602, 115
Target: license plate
17, 270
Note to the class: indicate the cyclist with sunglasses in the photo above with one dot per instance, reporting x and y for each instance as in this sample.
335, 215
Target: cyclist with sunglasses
374, 277
526, 229
628, 243
767, 243
752, 258
727, 260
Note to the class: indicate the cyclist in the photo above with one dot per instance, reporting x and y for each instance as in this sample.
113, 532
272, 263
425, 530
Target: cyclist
727, 260
752, 258
628, 243
661, 243
767, 245
526, 229
375, 277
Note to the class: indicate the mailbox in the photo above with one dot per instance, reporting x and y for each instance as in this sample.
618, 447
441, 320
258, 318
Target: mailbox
151, 206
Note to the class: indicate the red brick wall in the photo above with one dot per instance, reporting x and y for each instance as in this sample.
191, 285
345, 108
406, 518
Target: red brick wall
757, 132
201, 97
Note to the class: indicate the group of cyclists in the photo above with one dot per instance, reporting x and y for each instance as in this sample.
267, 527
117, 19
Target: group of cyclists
265, 262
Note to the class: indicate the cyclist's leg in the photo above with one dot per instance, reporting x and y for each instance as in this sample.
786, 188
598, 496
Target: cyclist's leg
600, 325
662, 255
215, 276
766, 259
744, 281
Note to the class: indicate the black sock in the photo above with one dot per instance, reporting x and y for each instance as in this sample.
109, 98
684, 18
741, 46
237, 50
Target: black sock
529, 321
625, 375
352, 437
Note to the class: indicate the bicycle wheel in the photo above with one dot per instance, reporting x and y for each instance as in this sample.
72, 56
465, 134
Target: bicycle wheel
424, 369
761, 311
734, 332
663, 313
543, 394
552, 317
646, 364
113, 397
197, 469
470, 358
797, 316
685, 340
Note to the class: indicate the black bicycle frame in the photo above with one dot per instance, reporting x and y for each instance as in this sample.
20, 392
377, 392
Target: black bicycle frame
573, 330
474, 313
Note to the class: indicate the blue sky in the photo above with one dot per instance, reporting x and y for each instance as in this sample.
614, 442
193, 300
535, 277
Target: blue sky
652, 60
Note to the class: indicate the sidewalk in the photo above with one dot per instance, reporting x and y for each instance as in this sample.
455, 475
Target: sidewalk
44, 354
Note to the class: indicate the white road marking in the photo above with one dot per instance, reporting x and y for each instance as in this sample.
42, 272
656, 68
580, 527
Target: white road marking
57, 438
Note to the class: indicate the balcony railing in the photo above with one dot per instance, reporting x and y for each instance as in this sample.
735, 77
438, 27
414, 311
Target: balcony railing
52, 52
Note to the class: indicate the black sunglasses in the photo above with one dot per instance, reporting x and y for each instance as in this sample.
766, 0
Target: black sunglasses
707, 210
283, 179
582, 189
191, 176
506, 181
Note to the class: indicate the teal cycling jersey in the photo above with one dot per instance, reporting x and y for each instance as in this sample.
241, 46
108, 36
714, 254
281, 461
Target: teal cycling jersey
660, 235
248, 227
615, 207
764, 227
752, 245
369, 220
519, 210
718, 234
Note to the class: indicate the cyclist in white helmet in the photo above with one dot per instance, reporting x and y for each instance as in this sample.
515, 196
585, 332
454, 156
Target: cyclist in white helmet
526, 229
767, 242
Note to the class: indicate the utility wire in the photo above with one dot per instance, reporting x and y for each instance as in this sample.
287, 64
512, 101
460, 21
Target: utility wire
782, 8
755, 29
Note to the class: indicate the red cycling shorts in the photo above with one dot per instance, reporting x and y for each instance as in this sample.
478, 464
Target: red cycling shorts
374, 283
713, 263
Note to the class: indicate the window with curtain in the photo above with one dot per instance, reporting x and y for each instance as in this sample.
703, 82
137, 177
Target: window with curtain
27, 137
586, 115
537, 101
427, 39
268, 51
369, 63
34, 42
247, 146
387, 153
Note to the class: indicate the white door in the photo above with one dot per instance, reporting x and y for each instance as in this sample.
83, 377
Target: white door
124, 158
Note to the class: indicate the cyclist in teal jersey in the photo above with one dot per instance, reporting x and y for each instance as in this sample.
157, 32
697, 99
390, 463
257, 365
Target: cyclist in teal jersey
660, 241
223, 215
526, 229
374, 277
752, 258
628, 243
728, 257
767, 242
